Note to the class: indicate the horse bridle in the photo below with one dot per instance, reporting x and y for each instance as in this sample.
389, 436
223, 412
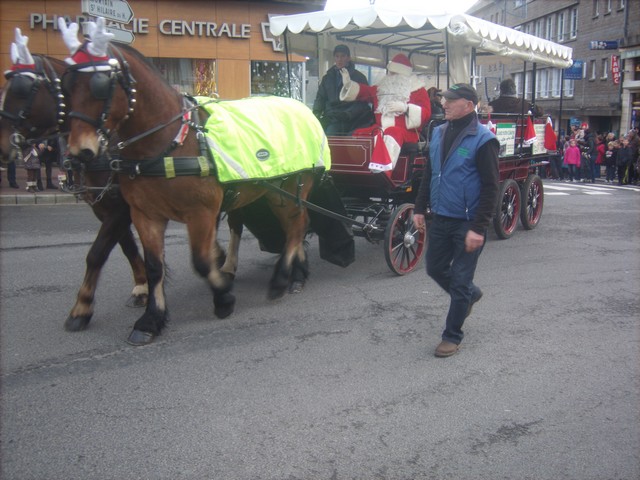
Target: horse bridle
25, 83
102, 86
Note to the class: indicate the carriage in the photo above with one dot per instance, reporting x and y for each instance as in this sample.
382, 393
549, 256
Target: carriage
383, 205
112, 94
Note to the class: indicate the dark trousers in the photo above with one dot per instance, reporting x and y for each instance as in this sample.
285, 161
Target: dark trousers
11, 173
453, 269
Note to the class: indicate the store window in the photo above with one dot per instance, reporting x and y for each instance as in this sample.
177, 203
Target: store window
192, 76
272, 78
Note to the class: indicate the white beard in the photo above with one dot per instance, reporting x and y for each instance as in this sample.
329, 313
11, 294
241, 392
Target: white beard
394, 88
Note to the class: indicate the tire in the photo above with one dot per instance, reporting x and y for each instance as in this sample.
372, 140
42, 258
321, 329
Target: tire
508, 209
532, 202
404, 246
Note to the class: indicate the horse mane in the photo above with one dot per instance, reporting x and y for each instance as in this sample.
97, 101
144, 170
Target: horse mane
146, 63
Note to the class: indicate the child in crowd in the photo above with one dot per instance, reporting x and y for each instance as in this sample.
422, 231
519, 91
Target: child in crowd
610, 157
572, 160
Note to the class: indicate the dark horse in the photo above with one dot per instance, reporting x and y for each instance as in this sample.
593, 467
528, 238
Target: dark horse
33, 108
117, 90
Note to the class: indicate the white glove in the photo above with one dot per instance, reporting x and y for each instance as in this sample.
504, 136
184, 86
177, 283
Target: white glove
100, 38
24, 55
346, 79
69, 35
396, 106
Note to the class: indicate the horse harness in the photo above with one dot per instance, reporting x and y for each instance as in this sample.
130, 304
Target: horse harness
24, 81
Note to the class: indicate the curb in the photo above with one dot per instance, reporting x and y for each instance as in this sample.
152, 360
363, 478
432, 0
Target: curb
39, 199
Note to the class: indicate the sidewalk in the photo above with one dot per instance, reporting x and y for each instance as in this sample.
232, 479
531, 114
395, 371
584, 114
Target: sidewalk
20, 196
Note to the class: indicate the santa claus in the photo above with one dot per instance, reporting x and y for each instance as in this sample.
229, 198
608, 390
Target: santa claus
401, 105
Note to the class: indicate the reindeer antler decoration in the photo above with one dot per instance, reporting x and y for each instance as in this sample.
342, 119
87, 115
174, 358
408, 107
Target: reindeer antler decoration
20, 54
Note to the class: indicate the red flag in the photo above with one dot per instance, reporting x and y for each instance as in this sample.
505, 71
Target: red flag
530, 132
550, 138
491, 126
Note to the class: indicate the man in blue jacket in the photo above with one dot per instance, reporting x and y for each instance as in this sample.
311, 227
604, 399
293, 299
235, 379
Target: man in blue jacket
459, 192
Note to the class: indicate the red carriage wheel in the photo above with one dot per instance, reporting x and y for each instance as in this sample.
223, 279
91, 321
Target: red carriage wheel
532, 202
508, 209
404, 245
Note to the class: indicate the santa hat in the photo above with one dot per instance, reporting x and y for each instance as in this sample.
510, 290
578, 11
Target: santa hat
530, 132
400, 64
550, 138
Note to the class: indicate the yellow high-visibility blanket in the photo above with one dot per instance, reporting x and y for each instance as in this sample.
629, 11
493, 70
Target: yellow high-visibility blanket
264, 138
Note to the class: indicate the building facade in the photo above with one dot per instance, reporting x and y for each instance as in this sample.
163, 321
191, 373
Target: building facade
202, 48
602, 89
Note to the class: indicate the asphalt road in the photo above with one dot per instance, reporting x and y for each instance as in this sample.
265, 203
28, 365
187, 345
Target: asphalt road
338, 382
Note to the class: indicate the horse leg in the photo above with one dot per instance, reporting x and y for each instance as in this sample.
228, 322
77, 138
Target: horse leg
130, 249
155, 316
102, 246
205, 256
234, 220
292, 267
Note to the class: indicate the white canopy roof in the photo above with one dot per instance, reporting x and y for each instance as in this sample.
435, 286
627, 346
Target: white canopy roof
417, 29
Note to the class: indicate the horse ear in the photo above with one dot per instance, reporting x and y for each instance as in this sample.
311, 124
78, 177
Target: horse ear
24, 55
69, 35
100, 38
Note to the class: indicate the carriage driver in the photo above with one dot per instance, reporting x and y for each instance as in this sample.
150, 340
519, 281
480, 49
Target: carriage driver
459, 188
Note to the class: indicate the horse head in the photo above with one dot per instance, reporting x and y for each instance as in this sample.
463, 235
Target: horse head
99, 88
32, 103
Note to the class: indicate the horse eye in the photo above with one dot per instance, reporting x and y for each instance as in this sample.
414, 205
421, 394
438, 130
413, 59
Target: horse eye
99, 85
21, 86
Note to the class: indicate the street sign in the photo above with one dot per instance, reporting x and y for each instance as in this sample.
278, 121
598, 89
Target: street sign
603, 45
574, 72
122, 36
118, 10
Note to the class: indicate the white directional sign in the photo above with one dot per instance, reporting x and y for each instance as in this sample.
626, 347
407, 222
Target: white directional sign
122, 36
118, 10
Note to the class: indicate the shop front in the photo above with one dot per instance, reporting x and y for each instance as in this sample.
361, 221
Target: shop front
202, 48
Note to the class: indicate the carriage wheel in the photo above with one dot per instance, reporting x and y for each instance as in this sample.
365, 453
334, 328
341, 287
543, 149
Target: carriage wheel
532, 202
404, 246
508, 209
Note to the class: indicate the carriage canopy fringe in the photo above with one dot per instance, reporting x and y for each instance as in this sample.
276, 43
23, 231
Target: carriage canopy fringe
263, 138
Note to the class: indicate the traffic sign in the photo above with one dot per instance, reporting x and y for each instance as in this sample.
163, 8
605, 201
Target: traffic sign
122, 36
118, 10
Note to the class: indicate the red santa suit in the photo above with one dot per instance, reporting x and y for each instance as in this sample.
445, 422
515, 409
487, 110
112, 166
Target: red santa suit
401, 105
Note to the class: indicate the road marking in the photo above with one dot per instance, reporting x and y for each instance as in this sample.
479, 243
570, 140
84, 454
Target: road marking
556, 193
597, 193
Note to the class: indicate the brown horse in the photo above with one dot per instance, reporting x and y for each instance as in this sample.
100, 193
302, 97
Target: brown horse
32, 109
117, 90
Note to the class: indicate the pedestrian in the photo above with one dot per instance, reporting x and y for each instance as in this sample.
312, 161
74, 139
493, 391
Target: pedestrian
610, 157
32, 166
623, 162
589, 155
634, 143
572, 156
459, 191
11, 174
402, 108
48, 157
338, 117
601, 148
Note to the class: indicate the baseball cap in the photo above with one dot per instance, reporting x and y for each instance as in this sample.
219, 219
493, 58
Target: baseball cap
461, 90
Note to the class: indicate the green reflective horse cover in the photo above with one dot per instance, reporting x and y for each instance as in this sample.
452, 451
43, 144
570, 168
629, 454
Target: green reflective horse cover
264, 138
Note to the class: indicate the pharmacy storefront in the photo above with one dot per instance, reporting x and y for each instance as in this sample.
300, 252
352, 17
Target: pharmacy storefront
202, 48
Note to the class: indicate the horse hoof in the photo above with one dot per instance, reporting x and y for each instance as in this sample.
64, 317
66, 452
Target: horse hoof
137, 301
224, 305
77, 324
138, 338
276, 293
296, 287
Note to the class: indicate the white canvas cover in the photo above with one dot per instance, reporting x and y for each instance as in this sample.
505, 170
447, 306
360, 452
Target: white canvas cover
368, 30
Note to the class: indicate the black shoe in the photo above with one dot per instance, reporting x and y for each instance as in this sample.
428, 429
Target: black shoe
14, 185
474, 299
51, 186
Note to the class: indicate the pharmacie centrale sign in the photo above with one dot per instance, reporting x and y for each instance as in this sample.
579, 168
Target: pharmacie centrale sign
174, 27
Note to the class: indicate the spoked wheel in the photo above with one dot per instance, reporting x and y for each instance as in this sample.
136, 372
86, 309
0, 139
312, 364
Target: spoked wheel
532, 202
404, 245
508, 209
